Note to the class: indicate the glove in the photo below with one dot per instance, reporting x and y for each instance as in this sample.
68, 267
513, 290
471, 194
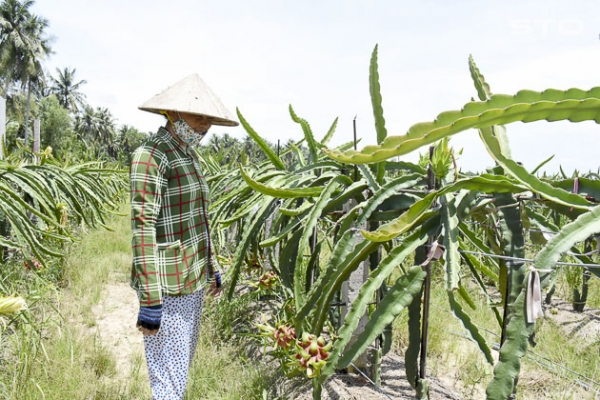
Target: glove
218, 279
149, 317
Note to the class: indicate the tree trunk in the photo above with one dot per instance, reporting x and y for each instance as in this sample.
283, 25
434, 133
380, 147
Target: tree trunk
27, 108
36, 138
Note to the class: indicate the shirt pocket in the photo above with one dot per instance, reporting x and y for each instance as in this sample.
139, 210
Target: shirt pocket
173, 272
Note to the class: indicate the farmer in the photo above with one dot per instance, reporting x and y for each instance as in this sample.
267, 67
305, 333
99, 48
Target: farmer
172, 257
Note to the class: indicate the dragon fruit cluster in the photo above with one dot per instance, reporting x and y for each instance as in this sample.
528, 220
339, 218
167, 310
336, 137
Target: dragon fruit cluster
311, 354
284, 336
267, 280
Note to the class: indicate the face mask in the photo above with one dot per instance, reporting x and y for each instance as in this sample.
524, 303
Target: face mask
187, 134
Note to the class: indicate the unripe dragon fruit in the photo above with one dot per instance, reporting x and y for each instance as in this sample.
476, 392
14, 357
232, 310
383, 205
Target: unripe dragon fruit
33, 262
311, 354
267, 281
284, 336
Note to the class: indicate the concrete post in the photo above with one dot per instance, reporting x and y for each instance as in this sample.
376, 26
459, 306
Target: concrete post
350, 290
268, 223
2, 126
36, 135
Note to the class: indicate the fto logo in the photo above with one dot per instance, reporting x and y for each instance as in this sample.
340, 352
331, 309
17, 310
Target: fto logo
545, 27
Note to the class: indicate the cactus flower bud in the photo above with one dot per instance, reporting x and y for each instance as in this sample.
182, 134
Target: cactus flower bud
305, 338
11, 305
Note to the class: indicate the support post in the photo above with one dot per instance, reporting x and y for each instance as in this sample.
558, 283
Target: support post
36, 139
355, 141
2, 126
36, 135
350, 290
426, 288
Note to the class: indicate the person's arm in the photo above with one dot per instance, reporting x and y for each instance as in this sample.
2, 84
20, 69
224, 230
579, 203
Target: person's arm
213, 275
147, 177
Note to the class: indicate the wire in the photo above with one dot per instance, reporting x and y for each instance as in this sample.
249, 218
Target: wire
493, 226
597, 384
496, 346
373, 383
530, 260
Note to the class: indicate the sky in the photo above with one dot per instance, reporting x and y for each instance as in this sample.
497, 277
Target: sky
260, 56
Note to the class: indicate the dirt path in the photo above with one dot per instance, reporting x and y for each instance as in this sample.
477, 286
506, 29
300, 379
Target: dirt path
394, 385
582, 326
115, 315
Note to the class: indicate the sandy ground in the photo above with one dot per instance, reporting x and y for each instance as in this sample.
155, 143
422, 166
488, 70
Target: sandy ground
393, 385
115, 316
584, 326
116, 312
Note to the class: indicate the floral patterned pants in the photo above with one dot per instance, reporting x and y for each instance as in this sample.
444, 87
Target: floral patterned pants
170, 352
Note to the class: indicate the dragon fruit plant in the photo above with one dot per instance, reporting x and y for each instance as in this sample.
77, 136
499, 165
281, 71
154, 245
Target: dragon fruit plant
285, 210
282, 340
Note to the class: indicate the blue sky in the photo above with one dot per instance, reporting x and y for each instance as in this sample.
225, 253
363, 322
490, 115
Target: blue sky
261, 56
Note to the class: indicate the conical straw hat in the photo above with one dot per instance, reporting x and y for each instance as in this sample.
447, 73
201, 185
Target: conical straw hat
191, 95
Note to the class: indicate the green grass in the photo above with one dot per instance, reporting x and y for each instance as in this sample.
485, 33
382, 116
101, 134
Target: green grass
455, 358
50, 352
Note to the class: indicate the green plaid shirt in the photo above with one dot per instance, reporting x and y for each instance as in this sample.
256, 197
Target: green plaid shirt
169, 208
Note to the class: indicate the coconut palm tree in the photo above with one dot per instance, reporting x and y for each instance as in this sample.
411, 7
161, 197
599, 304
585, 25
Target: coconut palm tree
87, 125
128, 139
106, 131
67, 90
23, 47
97, 129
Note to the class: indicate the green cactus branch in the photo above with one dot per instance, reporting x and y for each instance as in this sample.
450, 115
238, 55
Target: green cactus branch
583, 227
452, 256
393, 303
482, 183
517, 330
250, 232
376, 102
465, 319
311, 222
534, 184
483, 89
313, 145
329, 133
368, 289
271, 155
282, 193
551, 105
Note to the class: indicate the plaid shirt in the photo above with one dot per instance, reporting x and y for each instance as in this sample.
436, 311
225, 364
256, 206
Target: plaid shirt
169, 203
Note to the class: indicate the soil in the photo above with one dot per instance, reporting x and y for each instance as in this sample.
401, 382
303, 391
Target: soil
583, 326
115, 316
115, 324
393, 385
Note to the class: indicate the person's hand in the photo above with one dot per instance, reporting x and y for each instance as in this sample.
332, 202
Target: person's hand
148, 321
214, 289
146, 331
216, 285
